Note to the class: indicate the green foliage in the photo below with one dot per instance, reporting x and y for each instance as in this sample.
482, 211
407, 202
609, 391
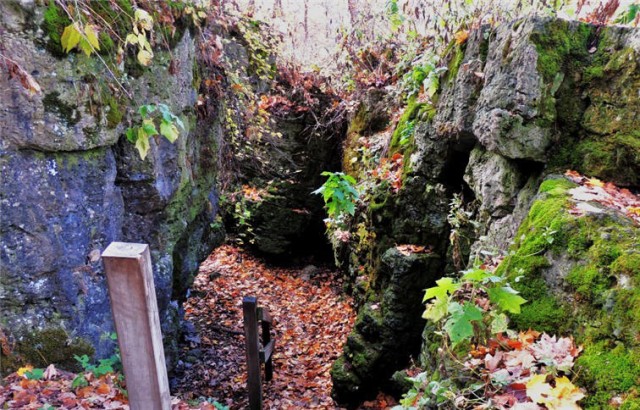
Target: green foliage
630, 15
151, 114
424, 74
35, 374
426, 393
111, 364
459, 325
455, 301
339, 194
407, 133
393, 13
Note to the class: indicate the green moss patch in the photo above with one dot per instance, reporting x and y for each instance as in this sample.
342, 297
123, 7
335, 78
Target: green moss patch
45, 347
55, 20
580, 277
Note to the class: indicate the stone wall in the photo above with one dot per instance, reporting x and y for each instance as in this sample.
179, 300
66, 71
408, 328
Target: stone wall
71, 184
517, 104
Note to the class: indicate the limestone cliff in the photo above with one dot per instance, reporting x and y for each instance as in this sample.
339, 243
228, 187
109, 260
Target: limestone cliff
517, 104
71, 184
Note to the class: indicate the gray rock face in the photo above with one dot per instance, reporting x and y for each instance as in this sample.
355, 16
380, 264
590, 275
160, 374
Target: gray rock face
517, 103
71, 184
508, 103
494, 180
58, 212
59, 118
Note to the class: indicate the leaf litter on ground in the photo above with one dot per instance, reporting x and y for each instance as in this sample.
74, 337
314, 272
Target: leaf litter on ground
312, 318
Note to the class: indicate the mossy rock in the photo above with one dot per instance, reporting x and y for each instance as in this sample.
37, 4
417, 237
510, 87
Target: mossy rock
44, 347
581, 277
55, 20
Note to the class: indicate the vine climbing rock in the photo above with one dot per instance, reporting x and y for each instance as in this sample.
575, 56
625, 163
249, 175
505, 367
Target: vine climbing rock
71, 184
518, 105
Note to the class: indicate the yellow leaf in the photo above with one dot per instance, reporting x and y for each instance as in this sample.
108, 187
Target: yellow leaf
21, 371
461, 36
70, 37
85, 46
142, 144
142, 38
131, 39
144, 57
537, 388
92, 37
144, 19
595, 182
169, 130
564, 396
634, 210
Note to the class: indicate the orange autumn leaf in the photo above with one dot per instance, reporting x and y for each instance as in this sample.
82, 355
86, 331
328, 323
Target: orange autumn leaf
461, 36
103, 389
528, 337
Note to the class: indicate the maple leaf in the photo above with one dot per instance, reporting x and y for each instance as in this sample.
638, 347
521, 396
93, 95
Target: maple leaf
491, 362
538, 388
459, 326
564, 396
557, 352
519, 358
507, 298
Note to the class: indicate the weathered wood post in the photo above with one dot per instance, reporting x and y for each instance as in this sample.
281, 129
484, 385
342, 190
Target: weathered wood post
135, 313
252, 347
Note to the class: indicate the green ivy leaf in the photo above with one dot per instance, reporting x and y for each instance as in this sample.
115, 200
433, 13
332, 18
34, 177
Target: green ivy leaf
142, 143
506, 298
146, 109
169, 130
149, 128
35, 374
131, 134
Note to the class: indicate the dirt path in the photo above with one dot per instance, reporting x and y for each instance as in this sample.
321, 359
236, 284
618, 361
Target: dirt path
311, 321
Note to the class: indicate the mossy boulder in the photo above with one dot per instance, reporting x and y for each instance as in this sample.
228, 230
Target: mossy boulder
582, 278
41, 348
385, 333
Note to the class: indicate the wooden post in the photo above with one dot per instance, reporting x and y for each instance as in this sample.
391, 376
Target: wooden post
135, 313
252, 347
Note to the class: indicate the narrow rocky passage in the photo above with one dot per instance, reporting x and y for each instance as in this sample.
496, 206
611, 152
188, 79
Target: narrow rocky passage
312, 317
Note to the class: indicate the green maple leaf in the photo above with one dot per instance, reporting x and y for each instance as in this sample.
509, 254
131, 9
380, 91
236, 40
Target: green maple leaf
444, 286
459, 326
506, 298
436, 310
